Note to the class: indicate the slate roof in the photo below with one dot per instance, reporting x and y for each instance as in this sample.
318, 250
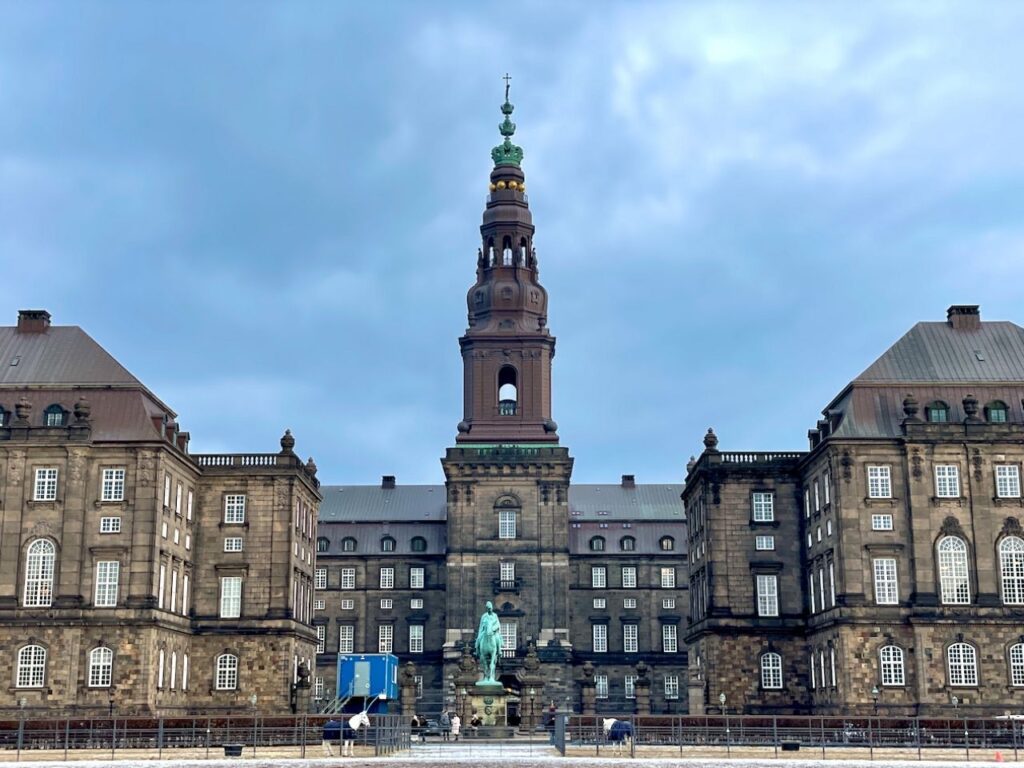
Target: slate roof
937, 352
368, 536
647, 533
60, 355
427, 503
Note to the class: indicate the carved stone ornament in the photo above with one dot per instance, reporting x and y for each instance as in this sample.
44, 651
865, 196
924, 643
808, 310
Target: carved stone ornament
846, 462
716, 493
916, 462
588, 670
407, 677
311, 467
23, 409
82, 410
910, 408
951, 527
711, 441
642, 671
976, 463
287, 441
1011, 527
531, 663
971, 408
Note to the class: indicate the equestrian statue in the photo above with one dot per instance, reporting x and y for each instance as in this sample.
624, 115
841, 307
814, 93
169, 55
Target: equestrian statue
488, 643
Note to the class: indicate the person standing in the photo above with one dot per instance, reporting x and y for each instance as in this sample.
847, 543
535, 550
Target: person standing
456, 724
446, 725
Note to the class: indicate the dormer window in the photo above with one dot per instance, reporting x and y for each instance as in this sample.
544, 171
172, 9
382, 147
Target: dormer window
667, 543
54, 416
997, 412
348, 544
597, 544
3, 417
937, 412
322, 544
418, 544
627, 544
387, 544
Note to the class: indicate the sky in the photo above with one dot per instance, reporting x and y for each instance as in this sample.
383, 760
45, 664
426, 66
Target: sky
269, 212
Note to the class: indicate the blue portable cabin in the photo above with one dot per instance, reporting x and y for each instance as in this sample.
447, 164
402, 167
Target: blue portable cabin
368, 680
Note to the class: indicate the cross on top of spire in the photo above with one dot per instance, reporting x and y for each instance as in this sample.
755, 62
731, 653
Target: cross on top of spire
507, 153
508, 79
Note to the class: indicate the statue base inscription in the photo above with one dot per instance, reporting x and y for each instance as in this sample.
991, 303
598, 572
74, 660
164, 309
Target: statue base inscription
488, 701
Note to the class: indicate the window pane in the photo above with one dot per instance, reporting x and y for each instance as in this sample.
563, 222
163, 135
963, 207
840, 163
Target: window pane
886, 591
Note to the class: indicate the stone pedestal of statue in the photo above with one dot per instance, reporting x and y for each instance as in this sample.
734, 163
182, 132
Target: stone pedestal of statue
488, 700
642, 690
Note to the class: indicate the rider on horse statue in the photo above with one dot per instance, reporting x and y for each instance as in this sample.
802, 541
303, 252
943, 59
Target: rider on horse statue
488, 643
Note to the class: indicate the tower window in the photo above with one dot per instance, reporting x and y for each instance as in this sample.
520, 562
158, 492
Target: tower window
506, 252
508, 394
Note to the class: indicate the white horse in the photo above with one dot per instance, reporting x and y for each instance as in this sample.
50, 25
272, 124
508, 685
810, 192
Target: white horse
351, 730
617, 732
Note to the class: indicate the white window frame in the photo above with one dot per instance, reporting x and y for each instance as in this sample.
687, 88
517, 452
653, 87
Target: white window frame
233, 543
629, 602
771, 671
509, 638
415, 638
226, 672
630, 638
600, 603
319, 605
101, 664
890, 659
348, 604
947, 481
348, 578
346, 638
629, 686
385, 638
230, 597
177, 502
886, 580
1007, 481
1011, 570
764, 543
112, 484
321, 638
763, 506
320, 578
110, 525
318, 688
1015, 659
40, 562
954, 571
387, 577
881, 522
234, 508
417, 577
188, 516
507, 524
31, 671
629, 577
962, 664
669, 638
416, 603
879, 481
108, 573
601, 686
387, 603
668, 578
45, 484
672, 687
598, 577
167, 490
767, 594
599, 638
668, 602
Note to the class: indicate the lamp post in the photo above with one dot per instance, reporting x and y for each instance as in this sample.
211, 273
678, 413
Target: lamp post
533, 695
871, 725
728, 738
956, 710
252, 702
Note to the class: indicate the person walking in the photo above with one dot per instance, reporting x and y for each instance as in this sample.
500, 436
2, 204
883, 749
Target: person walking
456, 724
446, 725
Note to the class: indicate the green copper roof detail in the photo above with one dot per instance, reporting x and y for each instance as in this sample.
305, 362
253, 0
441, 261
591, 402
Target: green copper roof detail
507, 153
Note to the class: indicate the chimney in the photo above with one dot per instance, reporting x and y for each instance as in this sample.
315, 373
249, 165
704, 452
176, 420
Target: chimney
964, 317
629, 481
33, 320
387, 482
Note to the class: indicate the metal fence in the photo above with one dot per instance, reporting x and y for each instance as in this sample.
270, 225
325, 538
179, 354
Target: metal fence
860, 734
211, 736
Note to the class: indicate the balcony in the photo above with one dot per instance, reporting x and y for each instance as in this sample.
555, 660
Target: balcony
507, 585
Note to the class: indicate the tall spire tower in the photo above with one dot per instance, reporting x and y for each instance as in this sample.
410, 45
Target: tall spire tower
507, 349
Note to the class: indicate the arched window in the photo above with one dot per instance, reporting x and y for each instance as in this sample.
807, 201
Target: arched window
522, 252
101, 661
667, 543
936, 411
771, 671
597, 543
490, 252
418, 544
1016, 659
508, 519
1011, 570
506, 252
322, 544
227, 672
54, 416
891, 658
997, 412
31, 667
963, 664
348, 544
387, 544
954, 584
39, 574
508, 393
627, 544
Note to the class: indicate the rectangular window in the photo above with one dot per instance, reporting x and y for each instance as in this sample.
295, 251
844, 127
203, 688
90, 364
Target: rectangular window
628, 577
160, 586
346, 638
167, 489
825, 480
764, 543
416, 603
416, 578
320, 578
174, 589
630, 686
112, 487
600, 602
233, 544
767, 595
668, 602
509, 638
188, 505
387, 578
601, 686
817, 498
600, 637
879, 482
230, 597
321, 638
629, 602
764, 507
598, 577
188, 541
234, 508
417, 681
177, 500
348, 605
318, 688
886, 588
507, 524
319, 605
46, 484
184, 594
807, 503
415, 638
810, 589
348, 578
668, 638
671, 686
947, 481
630, 634
107, 572
385, 638
668, 578
881, 522
387, 603
1007, 481
110, 525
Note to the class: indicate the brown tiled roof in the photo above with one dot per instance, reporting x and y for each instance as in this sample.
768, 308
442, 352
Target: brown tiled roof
116, 414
